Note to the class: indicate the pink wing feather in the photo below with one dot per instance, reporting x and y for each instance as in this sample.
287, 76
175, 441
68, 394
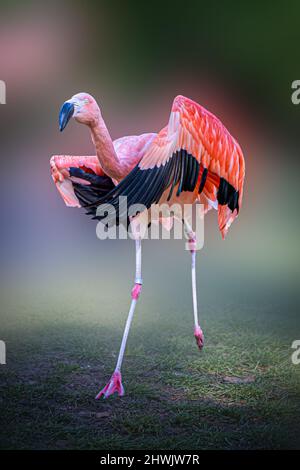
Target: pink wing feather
194, 154
202, 135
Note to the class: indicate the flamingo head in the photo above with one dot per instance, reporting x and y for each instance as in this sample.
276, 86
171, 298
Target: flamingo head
83, 107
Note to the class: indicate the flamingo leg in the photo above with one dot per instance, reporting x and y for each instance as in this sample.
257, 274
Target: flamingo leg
198, 333
115, 382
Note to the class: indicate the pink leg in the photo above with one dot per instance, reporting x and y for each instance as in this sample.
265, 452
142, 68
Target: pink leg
198, 333
115, 383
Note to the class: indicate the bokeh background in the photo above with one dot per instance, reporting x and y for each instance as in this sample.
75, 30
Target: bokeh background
238, 59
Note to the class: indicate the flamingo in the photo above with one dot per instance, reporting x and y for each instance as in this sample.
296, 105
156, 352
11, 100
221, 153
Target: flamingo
194, 158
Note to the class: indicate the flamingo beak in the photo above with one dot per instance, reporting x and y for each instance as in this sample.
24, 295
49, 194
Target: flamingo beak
65, 114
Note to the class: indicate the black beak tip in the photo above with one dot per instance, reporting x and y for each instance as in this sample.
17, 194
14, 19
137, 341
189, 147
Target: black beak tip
65, 114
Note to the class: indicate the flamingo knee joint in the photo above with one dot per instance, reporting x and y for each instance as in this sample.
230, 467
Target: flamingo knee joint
136, 291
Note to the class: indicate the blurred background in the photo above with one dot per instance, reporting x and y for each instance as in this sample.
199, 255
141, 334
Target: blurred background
238, 59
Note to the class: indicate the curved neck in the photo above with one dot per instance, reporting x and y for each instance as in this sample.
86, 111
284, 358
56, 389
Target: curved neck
106, 153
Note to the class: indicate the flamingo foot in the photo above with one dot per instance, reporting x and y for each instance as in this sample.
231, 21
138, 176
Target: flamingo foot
199, 337
113, 386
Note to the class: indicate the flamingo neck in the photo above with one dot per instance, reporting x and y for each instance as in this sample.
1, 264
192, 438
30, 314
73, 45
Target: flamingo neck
106, 153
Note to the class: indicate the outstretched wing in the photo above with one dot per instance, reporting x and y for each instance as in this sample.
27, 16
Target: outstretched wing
80, 180
194, 153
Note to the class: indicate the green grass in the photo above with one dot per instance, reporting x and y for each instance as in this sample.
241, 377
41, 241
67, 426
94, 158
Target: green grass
62, 347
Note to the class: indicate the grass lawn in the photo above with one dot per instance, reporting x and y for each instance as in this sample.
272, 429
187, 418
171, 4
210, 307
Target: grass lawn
240, 392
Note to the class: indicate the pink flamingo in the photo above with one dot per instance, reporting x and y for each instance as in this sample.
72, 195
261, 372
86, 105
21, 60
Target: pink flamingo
193, 158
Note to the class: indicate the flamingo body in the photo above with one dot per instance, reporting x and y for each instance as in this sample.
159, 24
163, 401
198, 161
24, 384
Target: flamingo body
193, 154
193, 158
